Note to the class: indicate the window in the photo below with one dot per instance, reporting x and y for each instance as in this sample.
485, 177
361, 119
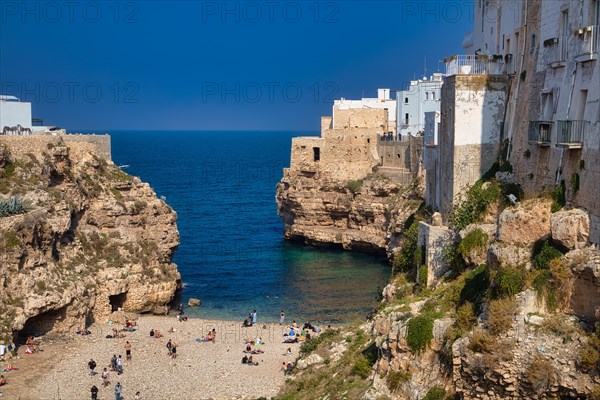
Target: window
426, 95
433, 93
406, 119
406, 100
532, 44
316, 154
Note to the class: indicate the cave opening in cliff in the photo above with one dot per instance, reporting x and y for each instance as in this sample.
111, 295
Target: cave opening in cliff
116, 301
42, 323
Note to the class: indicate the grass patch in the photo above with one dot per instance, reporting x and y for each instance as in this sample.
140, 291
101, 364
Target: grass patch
395, 379
543, 253
354, 186
475, 241
477, 200
308, 346
419, 333
541, 374
509, 281
435, 393
501, 314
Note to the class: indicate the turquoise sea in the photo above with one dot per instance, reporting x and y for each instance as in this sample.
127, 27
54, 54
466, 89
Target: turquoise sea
232, 252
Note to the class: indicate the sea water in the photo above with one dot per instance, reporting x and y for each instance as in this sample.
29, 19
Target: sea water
232, 254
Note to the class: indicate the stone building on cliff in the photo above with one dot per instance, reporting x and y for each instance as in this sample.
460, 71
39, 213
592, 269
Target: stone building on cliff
525, 93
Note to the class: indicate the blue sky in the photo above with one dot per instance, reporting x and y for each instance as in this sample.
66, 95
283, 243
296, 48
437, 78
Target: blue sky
212, 65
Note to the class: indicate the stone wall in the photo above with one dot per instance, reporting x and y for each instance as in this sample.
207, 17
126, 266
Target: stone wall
79, 145
434, 240
360, 118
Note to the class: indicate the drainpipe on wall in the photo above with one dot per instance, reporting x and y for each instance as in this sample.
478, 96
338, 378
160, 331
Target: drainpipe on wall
518, 77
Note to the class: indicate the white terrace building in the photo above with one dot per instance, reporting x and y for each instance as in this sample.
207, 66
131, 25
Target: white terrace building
14, 112
421, 96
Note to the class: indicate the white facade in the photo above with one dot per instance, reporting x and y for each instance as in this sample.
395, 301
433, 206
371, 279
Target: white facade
13, 113
422, 96
382, 101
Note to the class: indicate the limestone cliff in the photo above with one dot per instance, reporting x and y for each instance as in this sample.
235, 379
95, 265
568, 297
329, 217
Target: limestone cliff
90, 239
366, 215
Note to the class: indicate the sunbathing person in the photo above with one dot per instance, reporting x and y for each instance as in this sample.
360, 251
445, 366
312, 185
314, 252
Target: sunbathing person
245, 360
2, 380
251, 362
157, 334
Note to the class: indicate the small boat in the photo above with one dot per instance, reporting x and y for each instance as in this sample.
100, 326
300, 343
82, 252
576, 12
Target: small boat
124, 166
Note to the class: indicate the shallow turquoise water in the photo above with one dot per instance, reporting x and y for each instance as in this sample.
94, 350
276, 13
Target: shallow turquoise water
232, 252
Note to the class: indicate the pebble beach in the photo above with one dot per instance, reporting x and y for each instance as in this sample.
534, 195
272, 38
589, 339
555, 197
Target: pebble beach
202, 370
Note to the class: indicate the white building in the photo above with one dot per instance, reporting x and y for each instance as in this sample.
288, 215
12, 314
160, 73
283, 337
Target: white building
383, 101
14, 112
421, 96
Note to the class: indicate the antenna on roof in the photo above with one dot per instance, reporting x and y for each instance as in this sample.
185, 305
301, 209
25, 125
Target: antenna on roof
425, 67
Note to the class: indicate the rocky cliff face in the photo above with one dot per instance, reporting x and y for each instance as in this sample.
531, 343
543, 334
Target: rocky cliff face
365, 215
90, 240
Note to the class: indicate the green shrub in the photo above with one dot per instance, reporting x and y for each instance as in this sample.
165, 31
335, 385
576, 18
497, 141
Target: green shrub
575, 183
361, 367
465, 316
476, 202
308, 346
395, 379
354, 186
405, 259
500, 315
419, 333
581, 165
558, 197
476, 240
509, 281
477, 281
589, 358
423, 276
435, 393
544, 253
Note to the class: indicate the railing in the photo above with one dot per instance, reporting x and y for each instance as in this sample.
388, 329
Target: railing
540, 132
588, 40
473, 65
571, 132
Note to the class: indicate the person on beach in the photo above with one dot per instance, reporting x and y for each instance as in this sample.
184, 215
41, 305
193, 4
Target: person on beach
105, 381
3, 380
92, 366
253, 317
94, 391
166, 310
127, 350
137, 396
245, 360
288, 352
113, 363
251, 361
118, 391
119, 365
180, 309
170, 346
174, 351
152, 332
281, 318
289, 368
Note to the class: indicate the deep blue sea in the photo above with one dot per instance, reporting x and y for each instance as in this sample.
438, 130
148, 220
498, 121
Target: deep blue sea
232, 252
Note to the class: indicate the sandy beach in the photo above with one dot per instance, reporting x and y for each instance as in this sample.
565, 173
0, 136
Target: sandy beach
202, 370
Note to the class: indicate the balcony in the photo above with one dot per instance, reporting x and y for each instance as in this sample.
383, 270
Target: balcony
588, 43
473, 65
556, 51
570, 134
540, 132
